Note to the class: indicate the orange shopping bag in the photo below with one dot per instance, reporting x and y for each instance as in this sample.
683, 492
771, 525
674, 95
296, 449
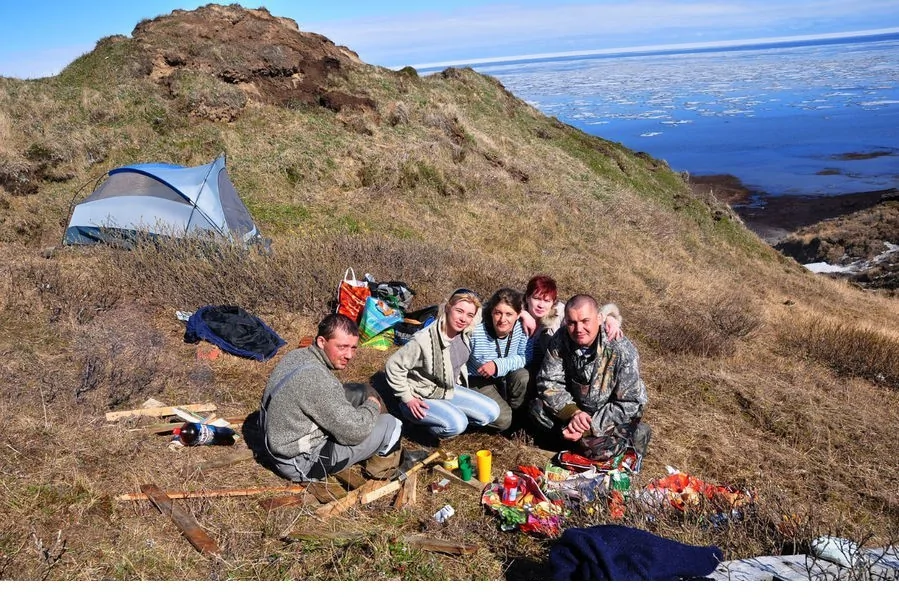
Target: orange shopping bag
351, 295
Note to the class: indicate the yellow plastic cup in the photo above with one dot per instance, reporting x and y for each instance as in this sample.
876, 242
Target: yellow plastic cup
485, 461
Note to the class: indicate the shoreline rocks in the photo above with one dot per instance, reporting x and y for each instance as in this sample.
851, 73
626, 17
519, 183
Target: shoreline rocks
853, 235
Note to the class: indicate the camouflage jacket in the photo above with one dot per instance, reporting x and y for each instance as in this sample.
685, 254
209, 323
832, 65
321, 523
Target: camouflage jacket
610, 387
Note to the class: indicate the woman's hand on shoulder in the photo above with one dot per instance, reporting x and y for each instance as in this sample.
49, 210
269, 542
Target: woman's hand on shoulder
613, 328
528, 323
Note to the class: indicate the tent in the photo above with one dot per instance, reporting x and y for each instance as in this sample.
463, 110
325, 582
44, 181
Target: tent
163, 200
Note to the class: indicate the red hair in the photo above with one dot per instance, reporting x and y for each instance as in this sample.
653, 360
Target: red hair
542, 286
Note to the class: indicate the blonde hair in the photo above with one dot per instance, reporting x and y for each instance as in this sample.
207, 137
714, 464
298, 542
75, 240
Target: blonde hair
464, 295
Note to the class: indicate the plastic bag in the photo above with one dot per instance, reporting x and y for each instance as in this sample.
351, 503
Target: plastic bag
382, 341
394, 293
415, 321
377, 317
351, 295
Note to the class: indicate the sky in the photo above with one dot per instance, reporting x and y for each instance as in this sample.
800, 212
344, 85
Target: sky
39, 38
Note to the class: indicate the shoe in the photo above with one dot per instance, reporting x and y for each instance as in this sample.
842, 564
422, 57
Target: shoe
382, 467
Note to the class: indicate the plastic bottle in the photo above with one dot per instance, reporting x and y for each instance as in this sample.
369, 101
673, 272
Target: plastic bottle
198, 434
510, 489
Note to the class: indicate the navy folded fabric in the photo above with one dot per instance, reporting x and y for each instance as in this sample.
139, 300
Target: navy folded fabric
612, 552
234, 330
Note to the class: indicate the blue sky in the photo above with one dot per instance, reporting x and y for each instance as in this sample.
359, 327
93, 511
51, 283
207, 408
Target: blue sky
40, 37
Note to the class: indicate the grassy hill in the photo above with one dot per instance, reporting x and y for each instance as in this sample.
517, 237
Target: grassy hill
760, 374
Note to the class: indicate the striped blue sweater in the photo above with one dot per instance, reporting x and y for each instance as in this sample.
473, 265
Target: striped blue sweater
486, 348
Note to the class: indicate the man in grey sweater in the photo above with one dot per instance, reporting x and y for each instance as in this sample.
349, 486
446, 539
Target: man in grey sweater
314, 425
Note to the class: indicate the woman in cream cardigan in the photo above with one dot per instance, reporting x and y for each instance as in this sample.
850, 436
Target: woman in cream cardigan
428, 375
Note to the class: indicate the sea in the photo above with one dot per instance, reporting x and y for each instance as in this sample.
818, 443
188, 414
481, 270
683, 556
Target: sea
792, 118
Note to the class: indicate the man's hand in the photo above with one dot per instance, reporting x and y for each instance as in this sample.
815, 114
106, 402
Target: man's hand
577, 426
488, 369
381, 407
418, 407
571, 436
527, 322
580, 422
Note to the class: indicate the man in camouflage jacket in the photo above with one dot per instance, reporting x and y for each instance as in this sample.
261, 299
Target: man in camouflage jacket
591, 385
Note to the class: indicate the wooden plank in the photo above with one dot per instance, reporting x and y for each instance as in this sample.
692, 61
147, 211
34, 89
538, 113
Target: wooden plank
211, 493
233, 458
474, 484
350, 478
407, 495
170, 427
162, 411
351, 499
327, 492
282, 501
426, 543
183, 519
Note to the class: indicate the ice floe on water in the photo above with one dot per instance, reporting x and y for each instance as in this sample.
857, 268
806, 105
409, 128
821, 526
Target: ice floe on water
766, 115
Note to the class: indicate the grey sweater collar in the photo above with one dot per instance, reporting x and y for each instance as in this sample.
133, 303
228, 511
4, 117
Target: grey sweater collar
319, 354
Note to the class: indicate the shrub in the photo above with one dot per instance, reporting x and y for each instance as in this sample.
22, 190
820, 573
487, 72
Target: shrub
848, 350
704, 326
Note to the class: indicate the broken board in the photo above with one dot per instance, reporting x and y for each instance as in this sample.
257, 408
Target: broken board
183, 519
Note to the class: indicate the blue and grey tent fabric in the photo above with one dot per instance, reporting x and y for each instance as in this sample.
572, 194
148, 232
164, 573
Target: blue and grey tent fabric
612, 552
234, 330
163, 200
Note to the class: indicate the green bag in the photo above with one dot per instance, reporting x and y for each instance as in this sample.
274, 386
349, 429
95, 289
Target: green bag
382, 341
377, 317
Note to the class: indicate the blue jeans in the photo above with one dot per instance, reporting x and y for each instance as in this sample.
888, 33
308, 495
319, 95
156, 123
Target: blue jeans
448, 418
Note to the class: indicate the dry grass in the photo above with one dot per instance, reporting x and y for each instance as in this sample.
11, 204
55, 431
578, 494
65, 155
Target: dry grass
760, 375
848, 349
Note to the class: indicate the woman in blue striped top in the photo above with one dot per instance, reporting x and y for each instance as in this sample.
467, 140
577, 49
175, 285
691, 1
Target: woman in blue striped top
499, 355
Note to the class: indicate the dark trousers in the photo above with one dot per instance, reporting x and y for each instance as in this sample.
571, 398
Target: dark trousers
509, 392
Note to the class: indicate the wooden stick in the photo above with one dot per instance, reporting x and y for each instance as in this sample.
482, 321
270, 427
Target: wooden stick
162, 411
183, 519
281, 501
210, 493
426, 543
474, 484
352, 479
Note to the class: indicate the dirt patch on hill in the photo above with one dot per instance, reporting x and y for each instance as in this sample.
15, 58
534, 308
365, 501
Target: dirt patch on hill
217, 57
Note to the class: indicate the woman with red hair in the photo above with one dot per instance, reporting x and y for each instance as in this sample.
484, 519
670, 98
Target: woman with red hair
543, 315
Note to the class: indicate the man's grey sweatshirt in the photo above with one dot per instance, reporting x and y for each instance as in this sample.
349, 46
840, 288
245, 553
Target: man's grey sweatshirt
311, 406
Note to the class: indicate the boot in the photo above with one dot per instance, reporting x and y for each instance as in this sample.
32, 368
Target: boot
382, 467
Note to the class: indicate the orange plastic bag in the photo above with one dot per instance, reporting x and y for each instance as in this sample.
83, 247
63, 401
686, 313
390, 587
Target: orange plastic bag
351, 295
